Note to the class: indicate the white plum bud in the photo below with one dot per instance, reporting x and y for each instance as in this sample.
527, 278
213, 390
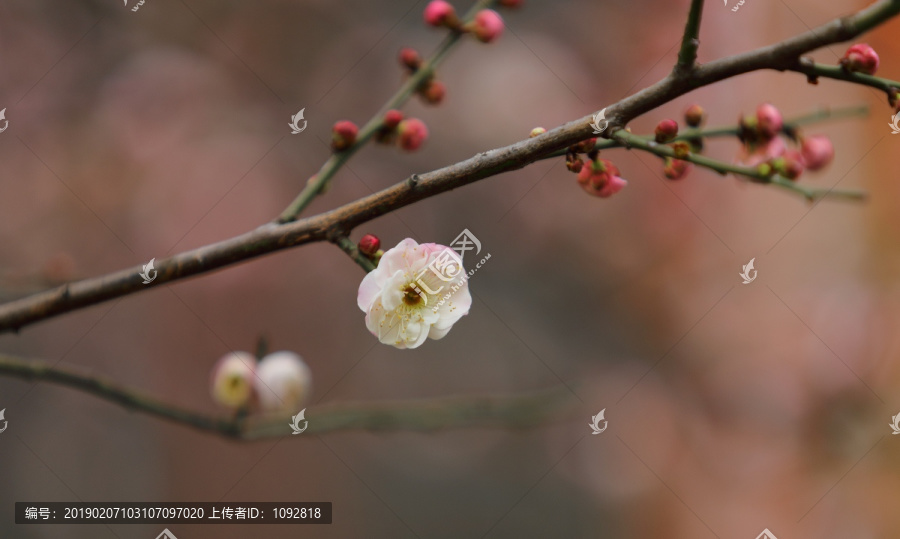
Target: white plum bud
283, 382
231, 381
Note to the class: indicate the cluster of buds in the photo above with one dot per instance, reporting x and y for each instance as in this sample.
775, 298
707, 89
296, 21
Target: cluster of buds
279, 382
765, 149
598, 177
677, 167
431, 91
486, 25
410, 133
860, 58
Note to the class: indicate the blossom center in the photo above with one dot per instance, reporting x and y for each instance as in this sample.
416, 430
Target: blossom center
411, 295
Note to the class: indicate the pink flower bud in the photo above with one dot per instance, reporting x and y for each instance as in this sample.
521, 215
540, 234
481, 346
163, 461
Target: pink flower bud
392, 118
600, 178
343, 135
440, 13
769, 121
487, 25
666, 130
369, 245
434, 92
413, 133
694, 115
231, 380
817, 152
790, 164
862, 58
676, 169
410, 59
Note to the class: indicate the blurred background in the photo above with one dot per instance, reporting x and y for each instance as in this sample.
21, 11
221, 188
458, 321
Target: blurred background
732, 408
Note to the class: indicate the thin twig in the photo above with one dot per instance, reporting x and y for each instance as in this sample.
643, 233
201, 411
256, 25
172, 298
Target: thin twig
814, 70
520, 410
690, 41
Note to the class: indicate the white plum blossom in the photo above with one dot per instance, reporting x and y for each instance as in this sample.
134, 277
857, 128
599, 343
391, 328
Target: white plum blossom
283, 382
417, 291
231, 381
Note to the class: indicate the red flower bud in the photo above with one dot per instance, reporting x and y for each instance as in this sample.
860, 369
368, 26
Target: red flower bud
487, 25
440, 13
510, 3
392, 118
694, 116
343, 135
676, 169
413, 133
369, 245
433, 93
862, 58
666, 130
410, 59
769, 121
600, 178
817, 152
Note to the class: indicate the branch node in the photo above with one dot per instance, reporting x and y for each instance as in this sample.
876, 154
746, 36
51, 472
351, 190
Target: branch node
412, 181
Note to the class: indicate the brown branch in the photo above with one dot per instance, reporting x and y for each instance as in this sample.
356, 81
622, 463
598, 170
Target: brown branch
338, 222
509, 411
